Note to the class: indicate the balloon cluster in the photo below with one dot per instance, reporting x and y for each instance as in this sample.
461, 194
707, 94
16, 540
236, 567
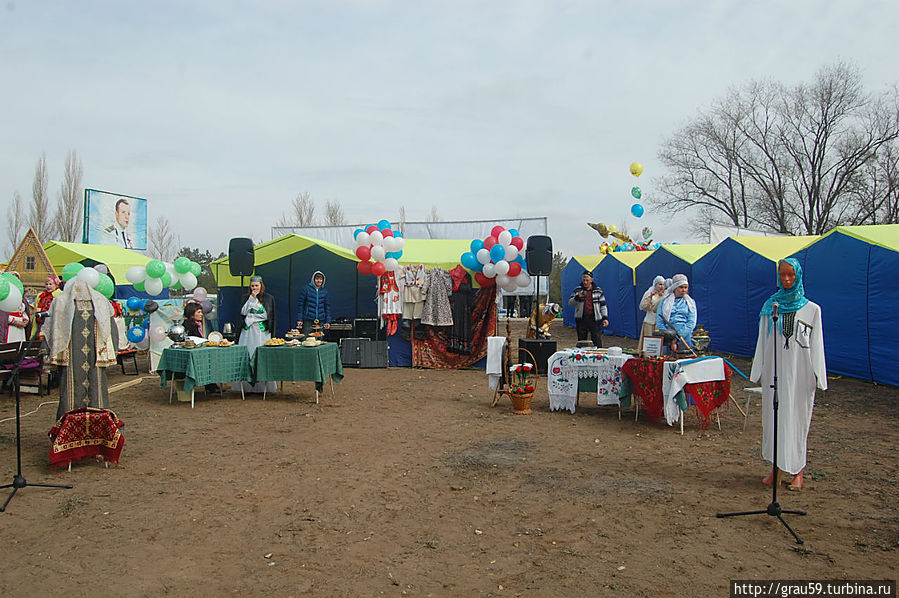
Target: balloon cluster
378, 247
96, 278
498, 260
626, 244
158, 275
637, 209
137, 333
11, 292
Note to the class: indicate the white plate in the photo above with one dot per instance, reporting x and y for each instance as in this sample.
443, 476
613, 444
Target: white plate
215, 336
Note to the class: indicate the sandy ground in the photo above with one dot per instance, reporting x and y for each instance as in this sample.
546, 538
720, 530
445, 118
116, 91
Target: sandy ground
410, 484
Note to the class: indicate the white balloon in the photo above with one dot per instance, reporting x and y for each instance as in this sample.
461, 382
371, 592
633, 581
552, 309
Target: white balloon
101, 268
136, 274
502, 267
523, 279
511, 253
188, 280
378, 253
144, 344
502, 280
153, 286
362, 239
389, 244
504, 238
200, 294
510, 286
88, 275
13, 301
483, 256
391, 264
376, 237
489, 270
399, 242
156, 333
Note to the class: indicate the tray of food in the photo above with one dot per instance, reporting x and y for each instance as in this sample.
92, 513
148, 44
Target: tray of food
274, 342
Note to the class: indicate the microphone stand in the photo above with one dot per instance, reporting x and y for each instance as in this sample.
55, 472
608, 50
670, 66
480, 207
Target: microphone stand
18, 480
774, 509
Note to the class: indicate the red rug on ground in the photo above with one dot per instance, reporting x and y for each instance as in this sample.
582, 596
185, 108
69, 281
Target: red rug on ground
432, 352
85, 433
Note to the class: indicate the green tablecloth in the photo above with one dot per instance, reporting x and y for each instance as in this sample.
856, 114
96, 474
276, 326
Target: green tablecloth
205, 365
298, 363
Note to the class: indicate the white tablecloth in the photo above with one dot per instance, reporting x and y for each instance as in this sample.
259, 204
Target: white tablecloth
565, 367
678, 374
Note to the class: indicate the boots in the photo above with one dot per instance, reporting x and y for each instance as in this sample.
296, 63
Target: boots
796, 484
769, 479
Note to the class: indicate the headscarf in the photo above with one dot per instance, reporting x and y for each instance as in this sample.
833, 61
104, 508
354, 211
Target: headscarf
667, 303
788, 300
63, 310
652, 287
256, 279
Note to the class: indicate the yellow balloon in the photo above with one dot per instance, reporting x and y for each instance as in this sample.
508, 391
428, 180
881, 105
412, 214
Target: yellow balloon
636, 169
613, 228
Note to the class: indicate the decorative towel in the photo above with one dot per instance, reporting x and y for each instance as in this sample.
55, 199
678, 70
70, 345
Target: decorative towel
495, 347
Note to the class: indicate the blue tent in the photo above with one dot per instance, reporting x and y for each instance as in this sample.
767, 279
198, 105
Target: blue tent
732, 281
851, 273
667, 261
571, 278
615, 276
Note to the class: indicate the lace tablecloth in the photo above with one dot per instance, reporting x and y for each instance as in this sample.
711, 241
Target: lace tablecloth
567, 366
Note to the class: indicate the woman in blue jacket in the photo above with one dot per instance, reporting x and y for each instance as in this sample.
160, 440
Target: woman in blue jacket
314, 304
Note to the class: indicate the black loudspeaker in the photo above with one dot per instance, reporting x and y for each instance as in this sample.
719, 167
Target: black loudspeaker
539, 255
241, 257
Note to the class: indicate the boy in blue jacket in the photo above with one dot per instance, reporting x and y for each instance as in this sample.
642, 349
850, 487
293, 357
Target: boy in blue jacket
314, 304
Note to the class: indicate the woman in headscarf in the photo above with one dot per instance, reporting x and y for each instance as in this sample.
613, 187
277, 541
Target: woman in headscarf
81, 343
50, 292
677, 310
256, 325
650, 304
795, 343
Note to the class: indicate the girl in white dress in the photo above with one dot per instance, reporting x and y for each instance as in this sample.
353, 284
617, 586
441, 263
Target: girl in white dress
257, 324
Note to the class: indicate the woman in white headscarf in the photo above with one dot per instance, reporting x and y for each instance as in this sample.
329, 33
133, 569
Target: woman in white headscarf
82, 346
650, 304
677, 311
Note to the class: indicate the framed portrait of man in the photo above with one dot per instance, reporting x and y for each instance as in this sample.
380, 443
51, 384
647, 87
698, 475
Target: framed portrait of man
115, 219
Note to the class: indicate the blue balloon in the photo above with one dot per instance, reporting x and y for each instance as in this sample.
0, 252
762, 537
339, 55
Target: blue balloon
133, 303
382, 224
477, 245
356, 233
637, 210
397, 233
469, 260
143, 304
514, 232
146, 323
136, 334
497, 253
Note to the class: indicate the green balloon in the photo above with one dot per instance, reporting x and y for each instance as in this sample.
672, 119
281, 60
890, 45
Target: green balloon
13, 281
176, 285
139, 286
636, 193
182, 265
195, 268
155, 269
4, 289
70, 270
166, 280
105, 286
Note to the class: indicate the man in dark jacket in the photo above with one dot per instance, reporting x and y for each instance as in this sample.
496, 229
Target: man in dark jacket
314, 304
589, 309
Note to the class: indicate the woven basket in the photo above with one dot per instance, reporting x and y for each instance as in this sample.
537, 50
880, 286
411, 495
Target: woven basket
521, 402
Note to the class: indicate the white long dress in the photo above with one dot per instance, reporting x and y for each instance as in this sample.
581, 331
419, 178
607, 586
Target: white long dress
252, 337
800, 368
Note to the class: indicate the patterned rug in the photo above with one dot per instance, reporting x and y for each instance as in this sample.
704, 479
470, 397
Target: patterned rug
85, 433
432, 352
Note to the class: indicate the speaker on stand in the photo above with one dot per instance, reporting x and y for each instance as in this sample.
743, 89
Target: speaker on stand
241, 257
539, 258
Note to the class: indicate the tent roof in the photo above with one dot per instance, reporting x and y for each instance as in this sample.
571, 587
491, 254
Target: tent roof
589, 262
631, 259
776, 248
435, 253
885, 235
117, 259
689, 252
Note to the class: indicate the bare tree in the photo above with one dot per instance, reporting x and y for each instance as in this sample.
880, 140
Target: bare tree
334, 214
67, 220
788, 159
15, 223
162, 240
39, 213
302, 212
433, 216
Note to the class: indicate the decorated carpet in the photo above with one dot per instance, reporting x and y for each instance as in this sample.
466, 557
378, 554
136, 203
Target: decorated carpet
86, 433
433, 352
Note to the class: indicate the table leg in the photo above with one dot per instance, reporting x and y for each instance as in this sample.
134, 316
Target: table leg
264, 389
242, 396
681, 423
192, 390
316, 396
331, 381
171, 387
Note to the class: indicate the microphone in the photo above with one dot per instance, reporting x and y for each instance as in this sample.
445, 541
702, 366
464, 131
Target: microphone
774, 307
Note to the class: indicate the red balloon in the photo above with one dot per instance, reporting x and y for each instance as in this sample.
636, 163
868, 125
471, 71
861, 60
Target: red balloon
378, 268
364, 267
489, 242
514, 269
483, 280
518, 242
371, 228
496, 230
363, 253
387, 232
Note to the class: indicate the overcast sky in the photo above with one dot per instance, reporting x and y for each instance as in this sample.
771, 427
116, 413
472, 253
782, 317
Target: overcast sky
220, 112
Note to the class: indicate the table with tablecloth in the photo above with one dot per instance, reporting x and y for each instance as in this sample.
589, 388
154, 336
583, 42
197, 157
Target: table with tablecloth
566, 369
314, 364
667, 388
204, 365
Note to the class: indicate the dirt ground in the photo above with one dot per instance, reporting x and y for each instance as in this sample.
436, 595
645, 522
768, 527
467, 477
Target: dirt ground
410, 484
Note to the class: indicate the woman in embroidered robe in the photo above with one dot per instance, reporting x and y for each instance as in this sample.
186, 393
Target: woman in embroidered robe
82, 345
257, 324
797, 345
650, 304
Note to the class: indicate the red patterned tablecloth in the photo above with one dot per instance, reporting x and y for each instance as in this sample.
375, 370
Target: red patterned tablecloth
85, 433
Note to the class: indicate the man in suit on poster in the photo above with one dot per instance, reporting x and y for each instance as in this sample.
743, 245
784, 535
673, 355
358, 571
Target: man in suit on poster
118, 233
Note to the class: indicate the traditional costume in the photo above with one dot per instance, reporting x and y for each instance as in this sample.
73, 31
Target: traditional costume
81, 344
650, 304
797, 344
461, 303
256, 327
680, 312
